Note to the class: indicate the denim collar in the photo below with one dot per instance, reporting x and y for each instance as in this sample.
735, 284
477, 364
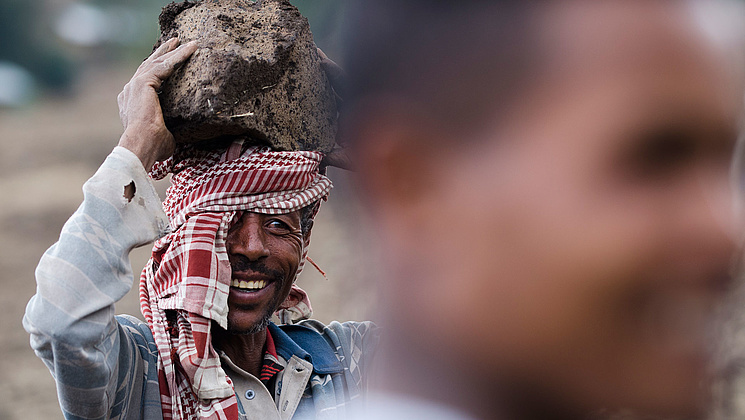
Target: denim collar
307, 344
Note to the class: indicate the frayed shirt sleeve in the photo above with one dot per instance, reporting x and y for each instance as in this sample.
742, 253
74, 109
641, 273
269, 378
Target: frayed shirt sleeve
100, 365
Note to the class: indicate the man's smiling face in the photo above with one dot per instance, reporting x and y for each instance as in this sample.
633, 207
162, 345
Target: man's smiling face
264, 252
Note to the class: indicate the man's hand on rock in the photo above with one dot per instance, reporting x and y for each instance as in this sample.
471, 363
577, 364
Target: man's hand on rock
334, 73
145, 132
338, 157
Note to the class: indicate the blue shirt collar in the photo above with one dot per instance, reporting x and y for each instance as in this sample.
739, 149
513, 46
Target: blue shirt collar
307, 344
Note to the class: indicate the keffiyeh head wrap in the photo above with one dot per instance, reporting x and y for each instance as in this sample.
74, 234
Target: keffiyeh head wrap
185, 285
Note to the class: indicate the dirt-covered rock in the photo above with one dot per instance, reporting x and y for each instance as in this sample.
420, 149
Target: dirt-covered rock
256, 73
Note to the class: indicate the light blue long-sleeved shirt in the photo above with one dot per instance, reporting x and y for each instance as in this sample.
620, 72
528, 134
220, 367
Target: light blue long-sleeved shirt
106, 366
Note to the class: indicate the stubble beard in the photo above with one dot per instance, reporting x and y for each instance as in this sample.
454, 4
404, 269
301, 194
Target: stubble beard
259, 326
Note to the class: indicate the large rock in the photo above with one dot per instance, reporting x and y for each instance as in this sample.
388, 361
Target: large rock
256, 74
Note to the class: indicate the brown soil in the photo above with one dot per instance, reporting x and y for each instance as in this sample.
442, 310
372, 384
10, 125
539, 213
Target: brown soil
256, 74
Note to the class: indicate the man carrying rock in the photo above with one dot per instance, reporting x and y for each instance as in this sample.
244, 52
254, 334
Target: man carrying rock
230, 244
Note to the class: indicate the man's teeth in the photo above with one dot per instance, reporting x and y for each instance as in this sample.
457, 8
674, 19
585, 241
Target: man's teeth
249, 285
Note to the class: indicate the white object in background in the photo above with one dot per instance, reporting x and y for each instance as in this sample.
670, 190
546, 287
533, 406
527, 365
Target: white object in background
17, 86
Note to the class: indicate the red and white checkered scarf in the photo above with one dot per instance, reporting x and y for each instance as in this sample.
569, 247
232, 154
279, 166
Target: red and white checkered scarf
185, 285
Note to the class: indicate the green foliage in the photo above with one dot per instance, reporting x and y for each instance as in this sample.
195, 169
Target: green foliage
325, 17
28, 38
24, 38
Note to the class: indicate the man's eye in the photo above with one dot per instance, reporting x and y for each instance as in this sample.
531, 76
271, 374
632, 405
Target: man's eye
662, 151
278, 225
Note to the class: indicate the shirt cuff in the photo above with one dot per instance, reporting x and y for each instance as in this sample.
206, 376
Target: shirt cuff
123, 182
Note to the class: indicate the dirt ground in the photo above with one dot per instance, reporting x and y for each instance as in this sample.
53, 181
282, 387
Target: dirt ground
48, 151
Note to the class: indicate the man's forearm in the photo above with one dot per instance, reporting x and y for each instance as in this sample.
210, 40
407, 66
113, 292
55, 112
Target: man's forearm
71, 318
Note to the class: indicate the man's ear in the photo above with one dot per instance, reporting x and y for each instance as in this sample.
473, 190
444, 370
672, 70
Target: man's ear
294, 298
394, 147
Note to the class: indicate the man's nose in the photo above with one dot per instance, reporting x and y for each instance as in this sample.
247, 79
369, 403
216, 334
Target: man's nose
248, 239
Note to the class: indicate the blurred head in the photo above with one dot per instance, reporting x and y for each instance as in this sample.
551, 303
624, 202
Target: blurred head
550, 184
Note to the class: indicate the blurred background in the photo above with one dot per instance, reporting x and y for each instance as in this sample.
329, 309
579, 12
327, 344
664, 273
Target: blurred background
62, 64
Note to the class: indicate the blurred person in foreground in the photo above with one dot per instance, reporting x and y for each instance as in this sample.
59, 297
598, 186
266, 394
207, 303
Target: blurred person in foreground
232, 236
549, 187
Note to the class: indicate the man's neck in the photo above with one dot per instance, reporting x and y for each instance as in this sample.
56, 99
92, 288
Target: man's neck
245, 350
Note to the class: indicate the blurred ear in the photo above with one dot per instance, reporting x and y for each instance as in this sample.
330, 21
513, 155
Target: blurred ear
394, 150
